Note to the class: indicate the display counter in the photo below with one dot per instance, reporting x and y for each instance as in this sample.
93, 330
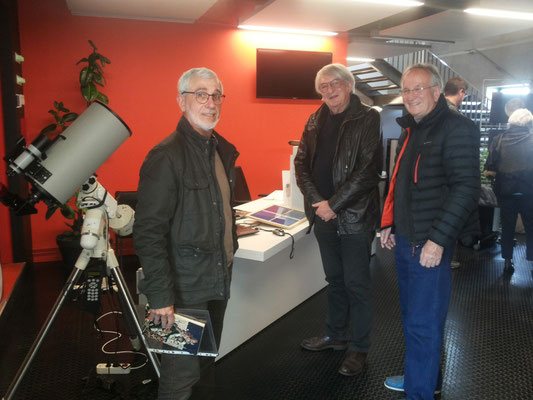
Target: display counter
266, 283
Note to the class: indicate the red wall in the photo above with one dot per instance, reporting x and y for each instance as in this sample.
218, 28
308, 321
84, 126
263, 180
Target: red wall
6, 251
147, 58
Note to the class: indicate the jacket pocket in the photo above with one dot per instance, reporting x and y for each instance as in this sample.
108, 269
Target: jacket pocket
195, 267
195, 182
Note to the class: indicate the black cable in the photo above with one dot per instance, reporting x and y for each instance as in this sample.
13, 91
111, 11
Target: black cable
279, 232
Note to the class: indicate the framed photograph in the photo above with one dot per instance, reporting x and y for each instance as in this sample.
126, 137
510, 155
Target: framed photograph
280, 216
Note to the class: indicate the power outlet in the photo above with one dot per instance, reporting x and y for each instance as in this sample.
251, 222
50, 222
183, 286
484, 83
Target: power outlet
113, 368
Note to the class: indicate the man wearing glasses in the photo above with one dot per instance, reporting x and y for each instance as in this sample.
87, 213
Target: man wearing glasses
432, 202
184, 232
337, 165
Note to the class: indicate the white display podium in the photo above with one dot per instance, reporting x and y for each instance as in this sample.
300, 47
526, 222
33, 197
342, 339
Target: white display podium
266, 284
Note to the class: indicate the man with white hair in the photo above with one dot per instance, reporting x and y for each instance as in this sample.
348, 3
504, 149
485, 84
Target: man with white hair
184, 232
509, 162
431, 203
337, 169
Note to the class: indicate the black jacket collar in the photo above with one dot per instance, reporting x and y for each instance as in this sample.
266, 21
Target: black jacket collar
441, 109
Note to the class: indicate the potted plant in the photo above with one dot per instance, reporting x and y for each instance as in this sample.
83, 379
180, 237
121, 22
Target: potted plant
91, 77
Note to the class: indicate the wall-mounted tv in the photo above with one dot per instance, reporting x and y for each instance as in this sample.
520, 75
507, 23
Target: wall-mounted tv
289, 74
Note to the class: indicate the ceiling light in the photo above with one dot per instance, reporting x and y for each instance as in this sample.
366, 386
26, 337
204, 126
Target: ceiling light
404, 3
500, 13
286, 30
360, 59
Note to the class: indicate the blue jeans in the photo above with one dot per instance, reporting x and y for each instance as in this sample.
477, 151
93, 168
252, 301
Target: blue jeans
346, 262
424, 300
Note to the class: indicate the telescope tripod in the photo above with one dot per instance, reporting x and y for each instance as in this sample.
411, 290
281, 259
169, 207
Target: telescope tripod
126, 301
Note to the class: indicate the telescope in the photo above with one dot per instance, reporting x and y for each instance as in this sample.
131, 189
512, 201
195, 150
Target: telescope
57, 168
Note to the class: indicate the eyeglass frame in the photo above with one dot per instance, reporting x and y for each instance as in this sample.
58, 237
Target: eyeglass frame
202, 92
416, 91
323, 87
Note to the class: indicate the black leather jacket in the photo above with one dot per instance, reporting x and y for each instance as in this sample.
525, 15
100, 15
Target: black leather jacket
178, 233
356, 167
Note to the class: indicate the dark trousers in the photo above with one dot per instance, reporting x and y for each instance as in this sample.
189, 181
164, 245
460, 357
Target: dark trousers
186, 377
346, 260
510, 206
424, 300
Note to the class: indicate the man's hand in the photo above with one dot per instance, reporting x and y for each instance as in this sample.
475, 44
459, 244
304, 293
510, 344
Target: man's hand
431, 254
165, 316
387, 238
324, 211
489, 173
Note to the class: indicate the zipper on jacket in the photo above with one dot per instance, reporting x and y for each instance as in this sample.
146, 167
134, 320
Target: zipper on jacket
416, 167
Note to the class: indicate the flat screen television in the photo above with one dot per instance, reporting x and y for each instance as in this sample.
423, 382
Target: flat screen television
289, 74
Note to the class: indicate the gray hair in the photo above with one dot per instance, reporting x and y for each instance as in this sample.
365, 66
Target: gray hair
514, 104
436, 80
337, 70
183, 83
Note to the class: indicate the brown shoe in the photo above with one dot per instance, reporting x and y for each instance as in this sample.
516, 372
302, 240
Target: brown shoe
353, 363
319, 343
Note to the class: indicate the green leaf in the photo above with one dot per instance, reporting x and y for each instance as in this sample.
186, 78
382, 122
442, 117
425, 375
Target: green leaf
51, 210
98, 68
98, 79
48, 129
92, 44
103, 98
84, 59
83, 76
70, 117
62, 108
89, 92
68, 212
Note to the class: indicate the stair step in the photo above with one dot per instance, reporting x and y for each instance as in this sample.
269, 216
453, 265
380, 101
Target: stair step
376, 79
363, 71
376, 88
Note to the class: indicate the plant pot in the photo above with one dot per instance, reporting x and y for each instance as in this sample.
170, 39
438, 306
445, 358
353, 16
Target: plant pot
70, 249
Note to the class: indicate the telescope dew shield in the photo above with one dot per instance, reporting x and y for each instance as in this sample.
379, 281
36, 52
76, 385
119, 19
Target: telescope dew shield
79, 151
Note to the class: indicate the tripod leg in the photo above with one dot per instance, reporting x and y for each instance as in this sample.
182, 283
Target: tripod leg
128, 304
42, 334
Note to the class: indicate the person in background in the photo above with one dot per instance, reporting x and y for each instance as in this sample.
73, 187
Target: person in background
184, 232
509, 163
455, 92
431, 203
337, 166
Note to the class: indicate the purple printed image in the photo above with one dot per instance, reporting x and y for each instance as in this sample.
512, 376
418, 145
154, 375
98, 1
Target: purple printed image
284, 221
278, 209
296, 214
264, 215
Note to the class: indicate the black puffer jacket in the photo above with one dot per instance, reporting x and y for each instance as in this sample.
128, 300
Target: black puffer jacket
178, 233
356, 167
444, 185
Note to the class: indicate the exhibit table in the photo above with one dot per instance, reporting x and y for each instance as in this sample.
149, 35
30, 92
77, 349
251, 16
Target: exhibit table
266, 283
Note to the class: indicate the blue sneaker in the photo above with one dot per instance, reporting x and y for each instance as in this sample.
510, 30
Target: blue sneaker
396, 383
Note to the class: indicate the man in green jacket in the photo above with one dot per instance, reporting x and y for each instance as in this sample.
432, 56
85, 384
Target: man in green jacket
184, 232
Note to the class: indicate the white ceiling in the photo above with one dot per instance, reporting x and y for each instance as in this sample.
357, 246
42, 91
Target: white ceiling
456, 25
327, 15
186, 11
367, 24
